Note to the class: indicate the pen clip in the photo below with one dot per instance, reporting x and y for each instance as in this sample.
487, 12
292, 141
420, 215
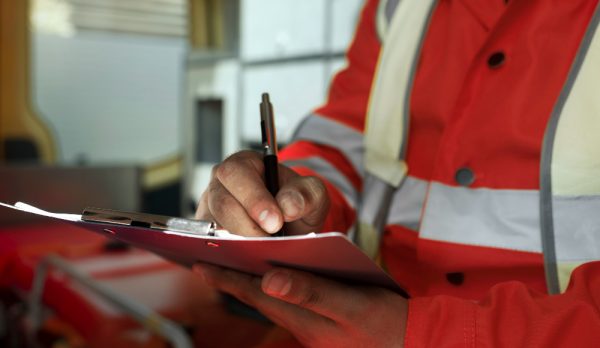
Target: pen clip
267, 125
263, 133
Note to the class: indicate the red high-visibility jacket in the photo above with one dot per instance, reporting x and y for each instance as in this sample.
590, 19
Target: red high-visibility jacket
488, 78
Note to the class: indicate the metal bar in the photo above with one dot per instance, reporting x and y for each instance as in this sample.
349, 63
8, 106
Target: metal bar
151, 320
294, 59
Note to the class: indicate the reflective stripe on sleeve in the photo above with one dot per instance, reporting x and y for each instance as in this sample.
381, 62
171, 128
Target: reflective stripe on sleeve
324, 131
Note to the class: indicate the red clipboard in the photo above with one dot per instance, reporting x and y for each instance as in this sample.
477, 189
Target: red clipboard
330, 254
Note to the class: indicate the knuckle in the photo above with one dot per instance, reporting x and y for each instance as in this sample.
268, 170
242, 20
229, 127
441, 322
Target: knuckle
250, 156
315, 187
253, 162
309, 298
315, 192
202, 209
213, 171
224, 170
254, 202
236, 163
219, 202
247, 154
214, 189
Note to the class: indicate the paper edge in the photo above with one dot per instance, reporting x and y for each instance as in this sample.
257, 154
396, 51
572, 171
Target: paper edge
28, 208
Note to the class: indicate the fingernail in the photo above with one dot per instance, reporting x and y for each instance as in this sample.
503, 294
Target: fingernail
269, 221
292, 204
278, 284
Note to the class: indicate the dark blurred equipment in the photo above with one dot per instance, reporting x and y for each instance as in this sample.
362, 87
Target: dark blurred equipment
209, 130
162, 188
69, 189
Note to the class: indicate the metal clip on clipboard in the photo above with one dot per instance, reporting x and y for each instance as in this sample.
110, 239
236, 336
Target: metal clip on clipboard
155, 222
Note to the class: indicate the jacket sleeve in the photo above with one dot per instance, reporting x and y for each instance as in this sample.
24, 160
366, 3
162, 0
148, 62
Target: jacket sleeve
511, 316
328, 143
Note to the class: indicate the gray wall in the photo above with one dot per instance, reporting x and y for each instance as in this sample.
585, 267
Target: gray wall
108, 97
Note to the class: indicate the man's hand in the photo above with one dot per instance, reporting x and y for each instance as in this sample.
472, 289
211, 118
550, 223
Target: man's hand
238, 200
317, 311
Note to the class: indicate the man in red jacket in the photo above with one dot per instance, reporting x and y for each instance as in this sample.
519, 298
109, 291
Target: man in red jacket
461, 148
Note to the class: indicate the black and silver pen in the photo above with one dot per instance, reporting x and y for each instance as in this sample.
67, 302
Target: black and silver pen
269, 144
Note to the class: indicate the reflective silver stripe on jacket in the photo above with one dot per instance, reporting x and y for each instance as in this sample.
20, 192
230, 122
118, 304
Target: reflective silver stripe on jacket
498, 218
509, 219
372, 214
577, 228
347, 140
407, 203
327, 170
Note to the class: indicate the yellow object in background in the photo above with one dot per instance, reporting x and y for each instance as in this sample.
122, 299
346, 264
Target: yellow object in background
207, 25
23, 135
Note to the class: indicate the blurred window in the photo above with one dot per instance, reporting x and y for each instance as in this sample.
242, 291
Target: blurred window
107, 76
149, 17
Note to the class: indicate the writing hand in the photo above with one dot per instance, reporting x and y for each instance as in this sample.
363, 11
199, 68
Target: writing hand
237, 199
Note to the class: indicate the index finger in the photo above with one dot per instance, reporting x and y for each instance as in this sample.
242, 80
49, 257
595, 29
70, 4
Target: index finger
242, 176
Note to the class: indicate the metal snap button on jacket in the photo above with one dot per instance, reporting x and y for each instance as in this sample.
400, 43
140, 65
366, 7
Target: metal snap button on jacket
464, 176
496, 60
456, 278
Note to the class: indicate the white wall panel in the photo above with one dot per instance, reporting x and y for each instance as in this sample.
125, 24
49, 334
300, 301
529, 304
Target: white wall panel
281, 28
110, 98
295, 90
344, 18
334, 66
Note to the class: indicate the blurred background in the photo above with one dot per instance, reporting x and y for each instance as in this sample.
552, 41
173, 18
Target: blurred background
127, 104
151, 94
